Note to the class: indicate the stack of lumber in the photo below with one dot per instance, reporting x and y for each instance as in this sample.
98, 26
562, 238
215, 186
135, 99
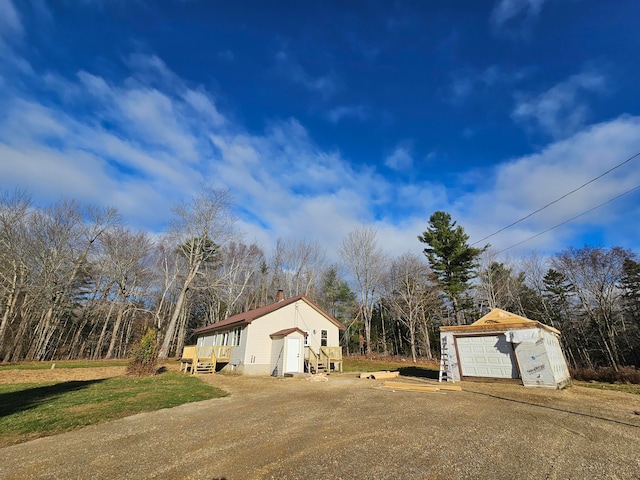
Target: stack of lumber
379, 375
420, 387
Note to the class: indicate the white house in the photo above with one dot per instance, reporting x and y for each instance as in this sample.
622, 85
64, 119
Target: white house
507, 346
292, 335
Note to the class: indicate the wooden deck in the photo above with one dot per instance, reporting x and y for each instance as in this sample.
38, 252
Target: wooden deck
327, 359
198, 359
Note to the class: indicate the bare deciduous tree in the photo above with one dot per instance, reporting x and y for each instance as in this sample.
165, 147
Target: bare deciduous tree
407, 289
595, 274
14, 209
124, 258
298, 266
199, 227
366, 262
239, 268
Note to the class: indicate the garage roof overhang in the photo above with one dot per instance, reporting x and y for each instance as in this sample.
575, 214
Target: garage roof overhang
498, 320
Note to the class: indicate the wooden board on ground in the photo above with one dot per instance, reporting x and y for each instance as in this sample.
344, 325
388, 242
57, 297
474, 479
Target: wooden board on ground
379, 375
414, 387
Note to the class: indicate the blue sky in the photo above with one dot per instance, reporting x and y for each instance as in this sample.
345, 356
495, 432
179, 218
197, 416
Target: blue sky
323, 116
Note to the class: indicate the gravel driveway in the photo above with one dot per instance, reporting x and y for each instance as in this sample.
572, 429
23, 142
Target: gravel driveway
351, 429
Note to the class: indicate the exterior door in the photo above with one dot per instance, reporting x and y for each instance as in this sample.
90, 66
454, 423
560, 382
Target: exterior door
293, 355
487, 356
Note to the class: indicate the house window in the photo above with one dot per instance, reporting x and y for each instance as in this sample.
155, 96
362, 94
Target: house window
323, 338
235, 336
307, 339
225, 338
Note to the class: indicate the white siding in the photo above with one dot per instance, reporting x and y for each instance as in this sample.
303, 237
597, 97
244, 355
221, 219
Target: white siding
255, 353
237, 353
277, 355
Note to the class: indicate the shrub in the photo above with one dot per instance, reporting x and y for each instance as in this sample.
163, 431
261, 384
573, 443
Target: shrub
627, 374
145, 356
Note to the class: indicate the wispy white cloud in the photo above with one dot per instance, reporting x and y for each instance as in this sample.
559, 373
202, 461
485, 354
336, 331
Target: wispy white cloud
400, 159
515, 18
513, 11
10, 23
561, 110
525, 184
151, 138
145, 147
42, 11
30, 121
203, 104
152, 115
358, 112
290, 68
467, 83
150, 69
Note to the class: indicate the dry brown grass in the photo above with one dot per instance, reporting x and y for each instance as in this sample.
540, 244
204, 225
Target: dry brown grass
627, 374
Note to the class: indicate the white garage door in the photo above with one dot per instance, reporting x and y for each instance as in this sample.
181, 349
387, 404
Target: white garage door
487, 356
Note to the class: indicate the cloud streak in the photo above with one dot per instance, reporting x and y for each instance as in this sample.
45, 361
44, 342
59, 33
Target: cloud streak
290, 68
561, 110
10, 23
525, 184
146, 139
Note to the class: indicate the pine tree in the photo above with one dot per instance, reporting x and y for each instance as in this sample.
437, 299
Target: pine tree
451, 258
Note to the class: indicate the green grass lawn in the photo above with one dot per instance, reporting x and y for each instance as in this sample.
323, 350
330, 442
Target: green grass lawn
35, 410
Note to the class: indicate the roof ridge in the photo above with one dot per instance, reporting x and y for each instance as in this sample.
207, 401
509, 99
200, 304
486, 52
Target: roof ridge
253, 314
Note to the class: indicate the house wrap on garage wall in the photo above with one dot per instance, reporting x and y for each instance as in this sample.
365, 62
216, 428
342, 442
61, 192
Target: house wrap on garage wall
505, 345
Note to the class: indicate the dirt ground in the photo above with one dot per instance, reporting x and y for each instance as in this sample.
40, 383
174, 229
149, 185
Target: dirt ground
347, 428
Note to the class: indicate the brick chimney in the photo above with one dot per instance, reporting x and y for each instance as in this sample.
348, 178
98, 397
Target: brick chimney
280, 296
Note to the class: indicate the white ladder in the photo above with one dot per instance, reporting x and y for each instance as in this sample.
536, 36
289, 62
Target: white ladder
446, 371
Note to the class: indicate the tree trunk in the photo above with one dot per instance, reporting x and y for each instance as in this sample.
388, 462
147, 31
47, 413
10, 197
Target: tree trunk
10, 304
456, 311
98, 351
385, 351
116, 327
171, 328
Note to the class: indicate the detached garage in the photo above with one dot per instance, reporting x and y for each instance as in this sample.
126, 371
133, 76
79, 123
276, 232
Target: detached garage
503, 345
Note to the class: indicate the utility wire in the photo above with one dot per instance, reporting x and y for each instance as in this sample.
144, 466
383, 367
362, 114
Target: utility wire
570, 220
558, 199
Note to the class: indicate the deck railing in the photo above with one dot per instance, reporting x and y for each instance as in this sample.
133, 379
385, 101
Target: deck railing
331, 356
194, 356
222, 352
312, 359
327, 358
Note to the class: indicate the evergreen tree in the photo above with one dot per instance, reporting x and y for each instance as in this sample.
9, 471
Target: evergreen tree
451, 258
336, 297
631, 287
558, 289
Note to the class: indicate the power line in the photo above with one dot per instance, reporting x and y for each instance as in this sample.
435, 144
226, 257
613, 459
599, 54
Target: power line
560, 198
569, 220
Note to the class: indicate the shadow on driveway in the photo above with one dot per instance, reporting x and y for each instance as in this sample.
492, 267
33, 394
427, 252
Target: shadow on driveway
419, 372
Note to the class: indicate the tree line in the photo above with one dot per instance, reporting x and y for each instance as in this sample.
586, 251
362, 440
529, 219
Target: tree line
75, 282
